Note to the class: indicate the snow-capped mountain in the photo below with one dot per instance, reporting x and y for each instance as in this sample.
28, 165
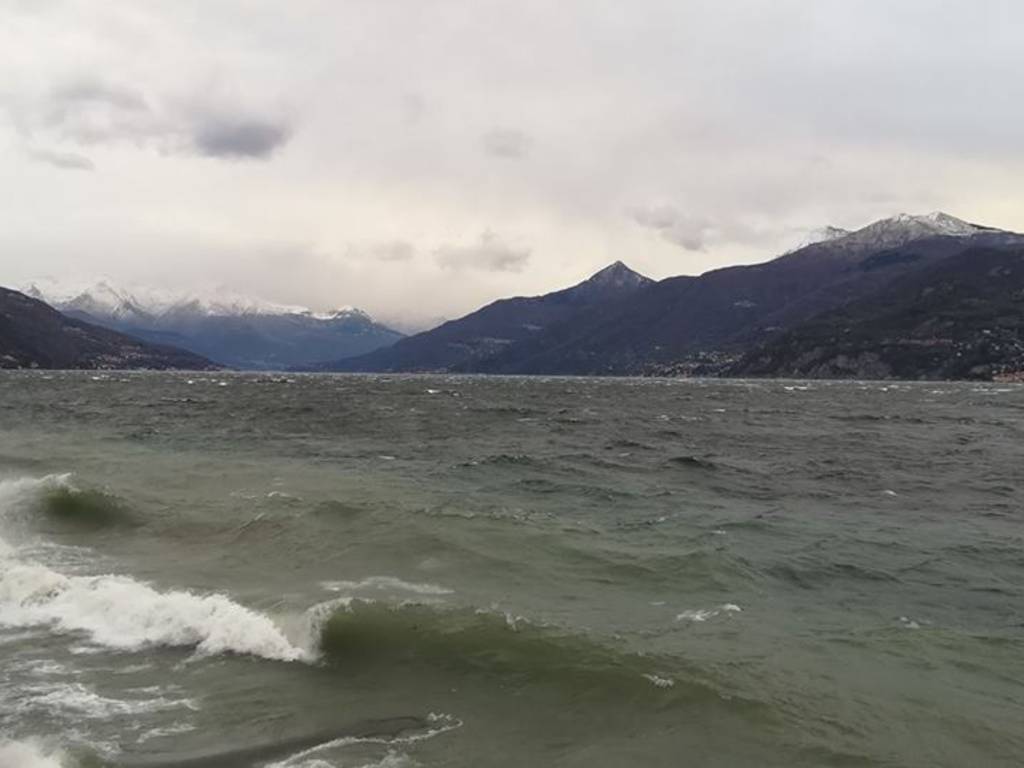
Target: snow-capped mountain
106, 298
820, 235
233, 329
905, 228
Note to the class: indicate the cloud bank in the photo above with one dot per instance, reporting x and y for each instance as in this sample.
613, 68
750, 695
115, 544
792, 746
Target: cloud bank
353, 153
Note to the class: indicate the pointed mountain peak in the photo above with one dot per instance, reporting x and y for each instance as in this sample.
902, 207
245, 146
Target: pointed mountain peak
613, 280
617, 275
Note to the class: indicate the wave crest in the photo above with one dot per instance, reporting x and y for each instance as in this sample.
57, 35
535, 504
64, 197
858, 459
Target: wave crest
122, 613
363, 634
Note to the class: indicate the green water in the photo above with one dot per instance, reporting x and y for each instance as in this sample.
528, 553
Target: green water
392, 571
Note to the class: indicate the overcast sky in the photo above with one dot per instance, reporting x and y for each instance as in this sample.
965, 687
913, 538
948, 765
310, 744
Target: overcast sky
419, 157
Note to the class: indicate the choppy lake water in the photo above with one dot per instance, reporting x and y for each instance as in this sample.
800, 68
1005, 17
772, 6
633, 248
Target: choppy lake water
234, 570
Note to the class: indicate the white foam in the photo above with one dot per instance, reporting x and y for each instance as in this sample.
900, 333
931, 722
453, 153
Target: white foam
307, 758
14, 491
392, 760
170, 730
28, 754
122, 613
80, 701
660, 682
385, 584
703, 614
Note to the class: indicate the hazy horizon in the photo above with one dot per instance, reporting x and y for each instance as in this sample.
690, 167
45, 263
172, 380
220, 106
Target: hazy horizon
418, 162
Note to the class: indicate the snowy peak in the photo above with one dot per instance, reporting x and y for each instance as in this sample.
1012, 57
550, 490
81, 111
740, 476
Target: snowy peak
340, 314
906, 227
225, 304
821, 235
104, 300
139, 304
890, 233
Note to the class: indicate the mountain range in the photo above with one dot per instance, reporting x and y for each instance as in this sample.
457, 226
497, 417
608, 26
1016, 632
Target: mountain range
485, 334
236, 331
622, 323
915, 297
34, 335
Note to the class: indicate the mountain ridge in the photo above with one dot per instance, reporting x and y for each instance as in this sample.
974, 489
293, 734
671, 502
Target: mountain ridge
236, 330
35, 335
484, 332
703, 323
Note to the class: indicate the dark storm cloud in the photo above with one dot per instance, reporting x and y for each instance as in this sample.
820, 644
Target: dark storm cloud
506, 143
63, 160
489, 254
239, 137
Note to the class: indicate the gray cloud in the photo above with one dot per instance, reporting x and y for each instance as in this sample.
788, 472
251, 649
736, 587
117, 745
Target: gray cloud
233, 137
89, 90
489, 253
90, 110
682, 229
394, 250
64, 160
806, 114
506, 143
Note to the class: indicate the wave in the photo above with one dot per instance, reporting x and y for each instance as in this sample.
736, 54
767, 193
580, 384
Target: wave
361, 634
385, 584
700, 615
409, 730
693, 462
119, 612
56, 498
80, 701
85, 508
294, 751
29, 754
505, 460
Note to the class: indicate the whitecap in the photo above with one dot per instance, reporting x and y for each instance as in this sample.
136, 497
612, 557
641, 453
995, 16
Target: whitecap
29, 754
168, 730
660, 682
81, 701
438, 723
385, 584
121, 613
700, 615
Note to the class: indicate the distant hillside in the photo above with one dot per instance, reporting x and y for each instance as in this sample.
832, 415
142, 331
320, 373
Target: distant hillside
238, 331
961, 319
458, 344
34, 335
701, 324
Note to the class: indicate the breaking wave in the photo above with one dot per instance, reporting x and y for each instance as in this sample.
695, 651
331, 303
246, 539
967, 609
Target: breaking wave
56, 498
28, 754
120, 612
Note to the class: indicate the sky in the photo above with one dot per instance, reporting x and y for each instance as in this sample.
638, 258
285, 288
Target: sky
418, 158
